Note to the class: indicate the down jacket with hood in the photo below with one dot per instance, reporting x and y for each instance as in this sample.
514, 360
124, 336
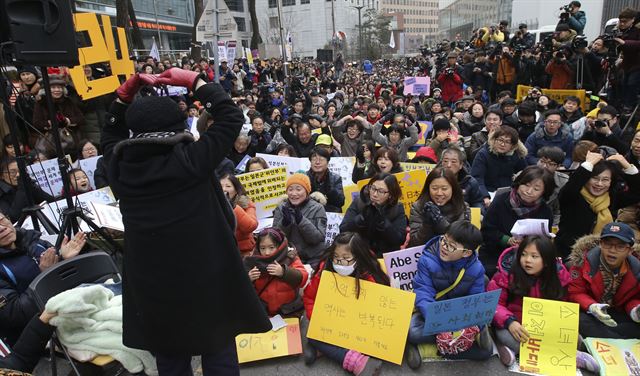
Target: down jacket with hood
509, 311
277, 291
493, 170
539, 139
435, 275
246, 223
587, 286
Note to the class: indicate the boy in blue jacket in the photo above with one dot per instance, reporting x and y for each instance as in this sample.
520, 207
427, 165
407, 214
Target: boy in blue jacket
438, 278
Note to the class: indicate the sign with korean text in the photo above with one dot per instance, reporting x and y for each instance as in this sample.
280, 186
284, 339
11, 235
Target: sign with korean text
101, 49
411, 183
553, 336
408, 166
266, 188
616, 356
559, 95
375, 322
231, 51
88, 165
47, 175
459, 313
54, 210
333, 226
342, 166
402, 266
417, 85
272, 344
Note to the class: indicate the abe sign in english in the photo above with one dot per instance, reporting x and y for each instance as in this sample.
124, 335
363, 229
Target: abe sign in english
402, 266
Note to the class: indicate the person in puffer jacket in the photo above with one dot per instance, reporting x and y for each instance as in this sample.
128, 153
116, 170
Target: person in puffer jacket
243, 209
532, 270
276, 272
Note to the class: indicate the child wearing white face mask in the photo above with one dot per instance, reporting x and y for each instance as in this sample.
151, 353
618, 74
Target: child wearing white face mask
349, 255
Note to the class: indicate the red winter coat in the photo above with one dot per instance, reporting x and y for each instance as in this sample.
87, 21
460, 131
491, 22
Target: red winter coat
246, 223
561, 75
280, 290
451, 86
500, 280
587, 286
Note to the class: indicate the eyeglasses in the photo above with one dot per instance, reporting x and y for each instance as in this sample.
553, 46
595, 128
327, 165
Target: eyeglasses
446, 243
504, 141
553, 122
596, 179
547, 163
613, 247
375, 190
12, 172
343, 262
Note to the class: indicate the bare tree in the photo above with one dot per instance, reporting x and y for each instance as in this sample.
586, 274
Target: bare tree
256, 39
196, 47
135, 30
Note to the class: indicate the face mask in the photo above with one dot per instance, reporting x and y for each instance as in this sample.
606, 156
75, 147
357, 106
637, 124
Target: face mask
344, 270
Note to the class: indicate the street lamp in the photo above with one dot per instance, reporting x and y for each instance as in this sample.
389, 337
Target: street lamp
359, 8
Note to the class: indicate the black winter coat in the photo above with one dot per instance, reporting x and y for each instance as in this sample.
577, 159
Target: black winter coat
17, 269
576, 217
331, 187
185, 289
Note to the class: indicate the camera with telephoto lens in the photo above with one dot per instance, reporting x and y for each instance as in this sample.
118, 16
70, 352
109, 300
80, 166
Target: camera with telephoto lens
448, 71
566, 12
600, 124
608, 41
579, 43
559, 56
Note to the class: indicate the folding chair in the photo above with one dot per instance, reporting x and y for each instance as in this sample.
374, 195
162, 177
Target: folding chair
94, 267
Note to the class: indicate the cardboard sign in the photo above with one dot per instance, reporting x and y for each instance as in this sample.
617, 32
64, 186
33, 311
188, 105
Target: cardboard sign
231, 51
476, 217
408, 166
351, 192
47, 175
558, 95
375, 323
616, 356
272, 344
417, 85
553, 336
401, 266
266, 188
425, 128
101, 49
333, 227
88, 165
459, 313
411, 183
342, 166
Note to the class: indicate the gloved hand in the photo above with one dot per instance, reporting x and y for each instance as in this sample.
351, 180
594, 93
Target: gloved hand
360, 221
599, 311
431, 213
127, 91
382, 225
179, 77
288, 214
297, 214
635, 314
360, 155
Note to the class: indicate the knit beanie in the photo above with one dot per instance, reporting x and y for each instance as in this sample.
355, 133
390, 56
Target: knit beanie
441, 125
30, 69
302, 180
155, 114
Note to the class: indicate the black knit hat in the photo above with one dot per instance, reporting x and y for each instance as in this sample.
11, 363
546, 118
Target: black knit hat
30, 69
441, 125
155, 114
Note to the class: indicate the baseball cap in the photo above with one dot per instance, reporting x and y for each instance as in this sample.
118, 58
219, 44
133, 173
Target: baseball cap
324, 139
618, 230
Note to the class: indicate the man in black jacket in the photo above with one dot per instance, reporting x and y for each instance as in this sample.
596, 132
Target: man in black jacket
13, 195
185, 291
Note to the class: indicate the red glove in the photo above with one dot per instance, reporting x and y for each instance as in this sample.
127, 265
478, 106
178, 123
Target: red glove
179, 77
452, 343
127, 91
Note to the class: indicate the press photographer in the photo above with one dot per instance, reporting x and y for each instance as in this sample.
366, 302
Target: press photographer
628, 41
573, 17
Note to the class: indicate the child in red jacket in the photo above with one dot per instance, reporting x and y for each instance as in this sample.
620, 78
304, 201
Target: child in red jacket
604, 281
276, 272
532, 270
349, 255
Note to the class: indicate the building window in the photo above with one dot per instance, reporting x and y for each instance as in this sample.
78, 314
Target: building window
235, 5
242, 26
305, 1
286, 3
273, 3
273, 23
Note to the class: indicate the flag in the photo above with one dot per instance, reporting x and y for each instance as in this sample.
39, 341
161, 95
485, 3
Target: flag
392, 41
289, 46
154, 53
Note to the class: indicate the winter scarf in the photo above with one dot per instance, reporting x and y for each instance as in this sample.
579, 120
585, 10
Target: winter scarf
611, 280
600, 206
284, 255
522, 209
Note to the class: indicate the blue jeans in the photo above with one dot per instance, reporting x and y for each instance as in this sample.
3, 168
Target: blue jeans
330, 351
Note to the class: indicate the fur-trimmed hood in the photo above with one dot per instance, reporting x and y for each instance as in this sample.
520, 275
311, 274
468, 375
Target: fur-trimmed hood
519, 150
588, 242
154, 138
563, 132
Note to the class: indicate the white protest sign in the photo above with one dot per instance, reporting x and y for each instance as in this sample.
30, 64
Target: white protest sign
54, 210
342, 166
47, 175
88, 165
402, 266
107, 216
333, 227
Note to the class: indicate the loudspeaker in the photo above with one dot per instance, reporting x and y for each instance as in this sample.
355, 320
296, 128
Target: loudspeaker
325, 55
41, 32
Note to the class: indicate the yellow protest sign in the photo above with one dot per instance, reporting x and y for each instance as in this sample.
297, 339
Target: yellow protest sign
375, 323
408, 166
476, 217
350, 192
615, 356
556, 94
284, 341
101, 50
411, 183
553, 337
266, 188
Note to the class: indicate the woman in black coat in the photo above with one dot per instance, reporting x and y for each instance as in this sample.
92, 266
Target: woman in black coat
185, 291
595, 179
526, 199
377, 215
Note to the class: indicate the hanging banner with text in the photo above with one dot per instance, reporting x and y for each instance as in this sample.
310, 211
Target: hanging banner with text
553, 337
459, 313
411, 183
375, 322
266, 188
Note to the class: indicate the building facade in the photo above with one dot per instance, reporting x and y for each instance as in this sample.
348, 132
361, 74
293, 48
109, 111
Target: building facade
420, 19
459, 18
611, 8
